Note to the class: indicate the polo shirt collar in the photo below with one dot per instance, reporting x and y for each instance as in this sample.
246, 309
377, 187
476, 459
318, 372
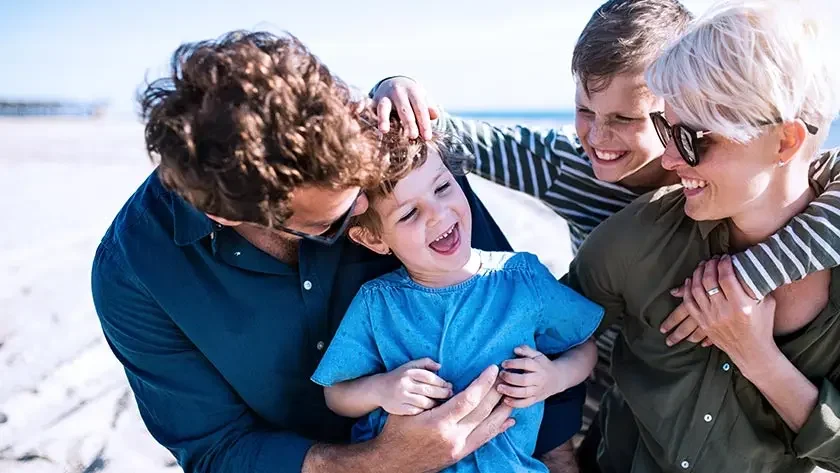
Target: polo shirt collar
190, 224
706, 227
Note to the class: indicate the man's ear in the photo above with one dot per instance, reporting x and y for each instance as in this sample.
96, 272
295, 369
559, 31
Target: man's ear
368, 239
223, 221
791, 141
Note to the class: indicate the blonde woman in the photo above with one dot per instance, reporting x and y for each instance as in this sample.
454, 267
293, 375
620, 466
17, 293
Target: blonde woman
749, 97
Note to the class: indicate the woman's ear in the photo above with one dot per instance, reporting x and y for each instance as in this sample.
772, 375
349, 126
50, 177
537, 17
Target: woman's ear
791, 141
368, 239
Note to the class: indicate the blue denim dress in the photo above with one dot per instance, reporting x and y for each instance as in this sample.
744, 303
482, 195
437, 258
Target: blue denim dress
513, 300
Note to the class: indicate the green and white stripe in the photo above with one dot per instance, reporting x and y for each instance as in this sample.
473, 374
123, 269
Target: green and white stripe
551, 166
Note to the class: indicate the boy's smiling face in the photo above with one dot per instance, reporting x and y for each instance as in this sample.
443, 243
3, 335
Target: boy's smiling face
425, 221
616, 131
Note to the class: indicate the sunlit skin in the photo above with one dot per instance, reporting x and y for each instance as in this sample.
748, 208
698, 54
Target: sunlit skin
617, 134
314, 210
426, 223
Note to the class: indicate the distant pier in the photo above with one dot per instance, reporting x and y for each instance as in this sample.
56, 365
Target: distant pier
48, 108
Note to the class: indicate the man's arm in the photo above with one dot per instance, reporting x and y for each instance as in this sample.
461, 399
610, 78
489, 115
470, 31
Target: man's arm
185, 403
190, 409
561, 459
807, 244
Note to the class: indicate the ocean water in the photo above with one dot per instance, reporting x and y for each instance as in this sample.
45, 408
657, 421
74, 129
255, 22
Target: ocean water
555, 119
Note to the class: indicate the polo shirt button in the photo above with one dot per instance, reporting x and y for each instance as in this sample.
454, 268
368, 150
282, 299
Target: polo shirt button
319, 346
685, 464
707, 417
307, 285
726, 367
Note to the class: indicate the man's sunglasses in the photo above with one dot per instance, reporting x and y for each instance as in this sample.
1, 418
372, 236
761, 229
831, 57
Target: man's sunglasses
337, 228
331, 234
688, 140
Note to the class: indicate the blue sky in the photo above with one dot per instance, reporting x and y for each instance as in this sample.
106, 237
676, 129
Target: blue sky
470, 54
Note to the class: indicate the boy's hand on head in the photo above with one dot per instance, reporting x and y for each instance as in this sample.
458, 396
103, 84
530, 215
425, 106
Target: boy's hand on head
529, 379
412, 388
406, 97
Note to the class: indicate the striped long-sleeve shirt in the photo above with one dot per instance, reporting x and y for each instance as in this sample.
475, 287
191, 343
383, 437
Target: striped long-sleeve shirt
551, 166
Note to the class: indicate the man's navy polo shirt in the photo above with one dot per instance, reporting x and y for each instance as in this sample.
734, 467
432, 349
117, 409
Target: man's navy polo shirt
219, 339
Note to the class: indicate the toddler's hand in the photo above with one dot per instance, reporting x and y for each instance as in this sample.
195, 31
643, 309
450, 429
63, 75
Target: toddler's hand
412, 388
535, 380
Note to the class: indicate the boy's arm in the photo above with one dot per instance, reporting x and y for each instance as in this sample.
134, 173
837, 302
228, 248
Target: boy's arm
810, 242
574, 366
354, 398
408, 390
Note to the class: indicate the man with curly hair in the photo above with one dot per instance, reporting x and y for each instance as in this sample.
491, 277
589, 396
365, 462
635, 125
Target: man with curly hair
223, 278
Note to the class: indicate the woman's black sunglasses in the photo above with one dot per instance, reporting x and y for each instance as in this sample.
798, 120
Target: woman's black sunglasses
688, 139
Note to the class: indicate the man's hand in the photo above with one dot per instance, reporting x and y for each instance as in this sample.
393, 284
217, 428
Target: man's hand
444, 435
561, 459
534, 378
410, 101
412, 388
429, 441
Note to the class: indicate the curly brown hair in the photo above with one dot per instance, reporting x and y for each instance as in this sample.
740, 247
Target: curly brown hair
406, 155
245, 119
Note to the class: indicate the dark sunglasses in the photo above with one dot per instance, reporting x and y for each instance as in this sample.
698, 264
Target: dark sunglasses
331, 234
688, 140
338, 227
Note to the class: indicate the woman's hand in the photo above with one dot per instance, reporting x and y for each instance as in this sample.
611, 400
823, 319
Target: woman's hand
737, 324
410, 101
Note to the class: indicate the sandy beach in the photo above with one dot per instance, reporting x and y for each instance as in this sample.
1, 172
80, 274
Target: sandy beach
65, 405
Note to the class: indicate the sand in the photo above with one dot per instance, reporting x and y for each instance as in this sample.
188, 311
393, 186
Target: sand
65, 405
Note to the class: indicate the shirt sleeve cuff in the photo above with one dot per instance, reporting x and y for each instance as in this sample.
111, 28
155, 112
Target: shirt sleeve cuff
819, 438
281, 453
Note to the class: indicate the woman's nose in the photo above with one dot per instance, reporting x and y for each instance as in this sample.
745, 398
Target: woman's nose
671, 158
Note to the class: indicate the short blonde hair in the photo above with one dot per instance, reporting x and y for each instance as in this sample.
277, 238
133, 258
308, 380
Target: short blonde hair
746, 63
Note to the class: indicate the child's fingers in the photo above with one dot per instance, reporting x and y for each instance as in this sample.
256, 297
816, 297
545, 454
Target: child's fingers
409, 410
516, 391
524, 364
428, 390
520, 403
518, 379
423, 364
427, 377
525, 350
419, 401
